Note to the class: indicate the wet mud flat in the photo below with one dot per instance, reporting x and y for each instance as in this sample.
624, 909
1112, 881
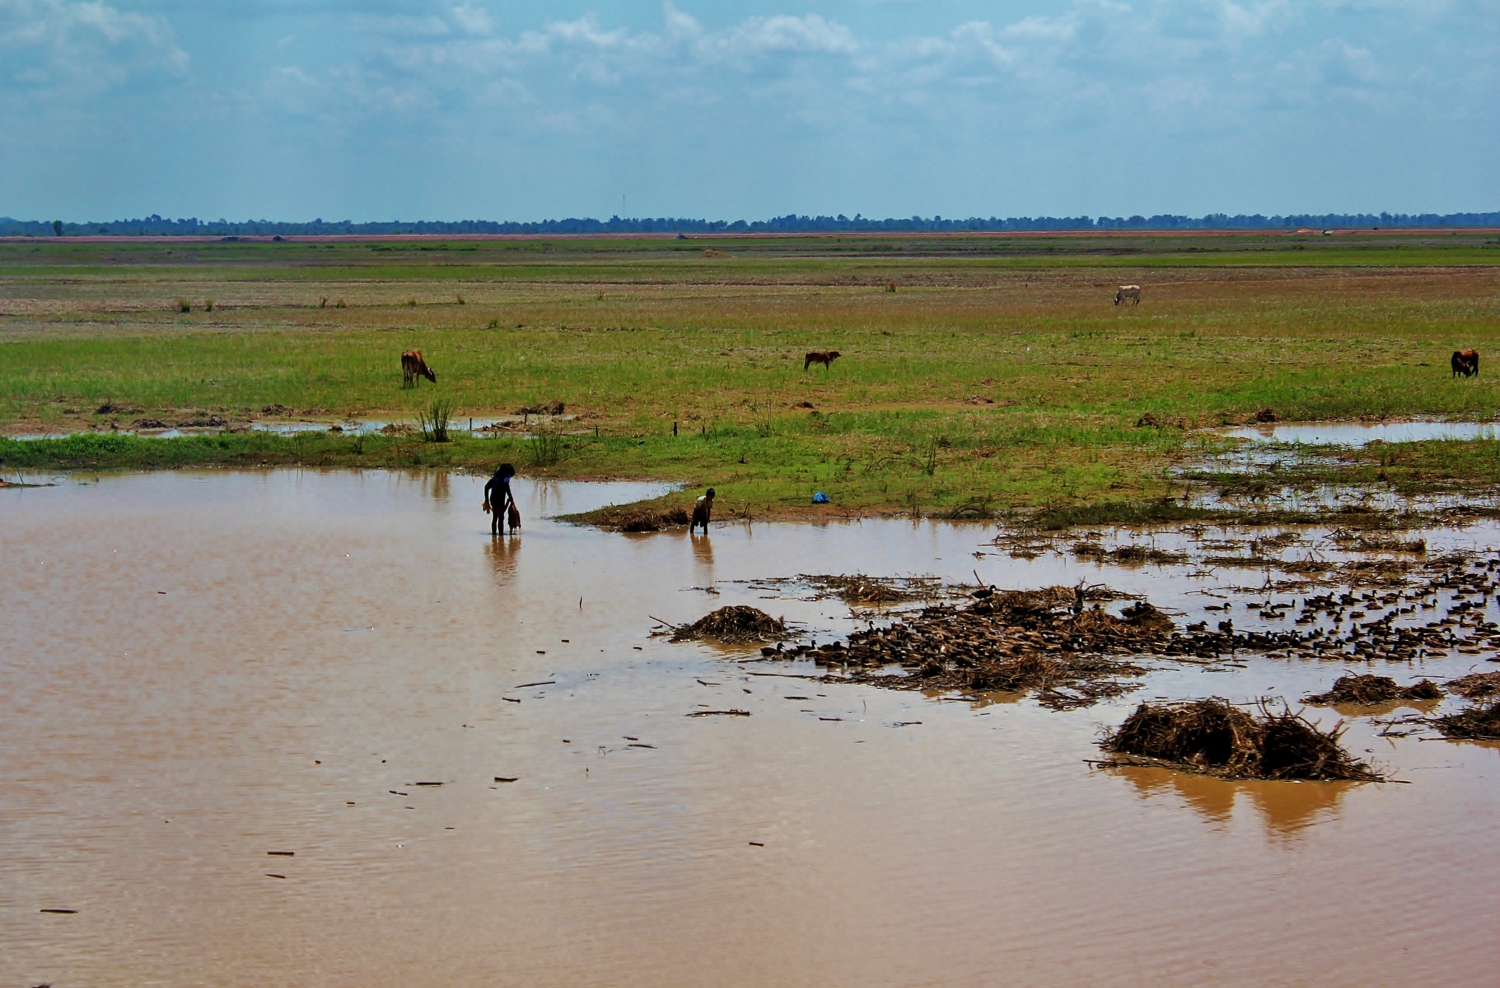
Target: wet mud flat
278, 721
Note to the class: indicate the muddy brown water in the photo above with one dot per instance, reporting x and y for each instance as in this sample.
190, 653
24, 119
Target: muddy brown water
200, 668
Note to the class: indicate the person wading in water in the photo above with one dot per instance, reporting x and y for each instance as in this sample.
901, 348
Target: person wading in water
498, 497
702, 509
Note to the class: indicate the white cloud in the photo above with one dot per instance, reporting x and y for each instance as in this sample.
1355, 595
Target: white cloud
80, 49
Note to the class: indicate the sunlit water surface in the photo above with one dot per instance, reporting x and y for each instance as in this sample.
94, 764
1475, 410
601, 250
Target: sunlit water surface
200, 668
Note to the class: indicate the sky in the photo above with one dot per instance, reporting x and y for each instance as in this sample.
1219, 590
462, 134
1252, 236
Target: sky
745, 109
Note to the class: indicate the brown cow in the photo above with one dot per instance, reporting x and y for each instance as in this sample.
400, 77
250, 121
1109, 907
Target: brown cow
413, 365
1465, 362
826, 358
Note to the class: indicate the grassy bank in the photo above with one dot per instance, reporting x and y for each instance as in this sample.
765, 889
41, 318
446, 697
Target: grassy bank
978, 375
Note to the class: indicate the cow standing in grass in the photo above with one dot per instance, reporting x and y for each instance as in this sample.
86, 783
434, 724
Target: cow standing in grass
1128, 293
1465, 362
412, 367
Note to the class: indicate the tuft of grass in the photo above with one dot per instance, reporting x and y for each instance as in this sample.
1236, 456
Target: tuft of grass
208, 305
183, 305
433, 421
544, 447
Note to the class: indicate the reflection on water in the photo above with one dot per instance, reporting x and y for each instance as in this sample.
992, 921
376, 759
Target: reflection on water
503, 551
1284, 807
703, 551
200, 668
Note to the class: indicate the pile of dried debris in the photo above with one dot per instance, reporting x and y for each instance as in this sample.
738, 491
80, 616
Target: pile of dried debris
860, 590
640, 518
1368, 690
1213, 737
1477, 723
1045, 640
734, 625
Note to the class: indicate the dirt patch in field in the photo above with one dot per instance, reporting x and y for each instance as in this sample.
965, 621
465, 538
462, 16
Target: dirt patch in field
1370, 690
1214, 737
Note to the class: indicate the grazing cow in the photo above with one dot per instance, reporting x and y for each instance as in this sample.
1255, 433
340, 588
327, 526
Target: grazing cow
820, 357
412, 365
1131, 293
1465, 362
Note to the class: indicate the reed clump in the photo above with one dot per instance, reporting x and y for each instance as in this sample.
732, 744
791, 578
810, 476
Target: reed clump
434, 421
545, 447
1214, 737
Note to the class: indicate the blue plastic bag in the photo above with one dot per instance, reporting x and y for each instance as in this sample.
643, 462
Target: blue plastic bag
820, 498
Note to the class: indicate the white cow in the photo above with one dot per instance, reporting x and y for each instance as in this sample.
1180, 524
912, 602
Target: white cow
1130, 293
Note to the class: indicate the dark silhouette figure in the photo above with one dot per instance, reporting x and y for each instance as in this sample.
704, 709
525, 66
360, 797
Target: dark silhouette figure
499, 501
703, 508
824, 357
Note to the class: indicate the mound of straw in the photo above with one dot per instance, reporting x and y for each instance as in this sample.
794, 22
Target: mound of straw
733, 625
1477, 723
1213, 737
641, 519
1476, 686
1367, 690
861, 589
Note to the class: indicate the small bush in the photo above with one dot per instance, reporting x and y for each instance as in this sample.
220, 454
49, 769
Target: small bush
208, 305
183, 305
412, 302
340, 304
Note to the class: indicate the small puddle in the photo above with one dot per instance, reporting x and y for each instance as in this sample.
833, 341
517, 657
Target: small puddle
213, 678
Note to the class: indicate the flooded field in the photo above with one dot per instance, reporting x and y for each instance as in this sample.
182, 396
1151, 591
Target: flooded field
231, 698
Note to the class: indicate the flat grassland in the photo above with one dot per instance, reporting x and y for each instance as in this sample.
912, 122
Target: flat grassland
979, 374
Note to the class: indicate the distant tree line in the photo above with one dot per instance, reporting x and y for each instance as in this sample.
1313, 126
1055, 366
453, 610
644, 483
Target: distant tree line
157, 226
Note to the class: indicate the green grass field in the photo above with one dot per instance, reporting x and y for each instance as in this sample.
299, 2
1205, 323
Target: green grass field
997, 376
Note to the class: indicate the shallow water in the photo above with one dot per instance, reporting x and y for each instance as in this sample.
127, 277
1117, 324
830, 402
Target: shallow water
1361, 433
200, 668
